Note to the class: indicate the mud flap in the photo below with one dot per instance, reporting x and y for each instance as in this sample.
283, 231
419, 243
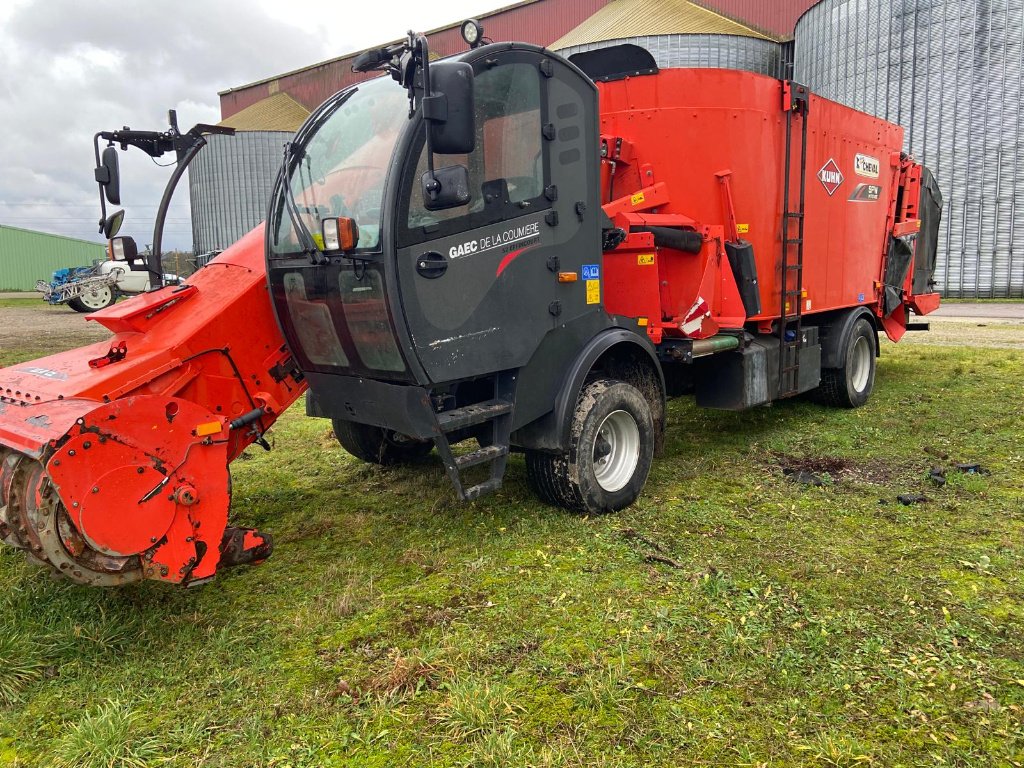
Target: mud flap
744, 269
901, 254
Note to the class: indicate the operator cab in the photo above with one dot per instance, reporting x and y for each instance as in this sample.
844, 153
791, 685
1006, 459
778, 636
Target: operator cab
414, 237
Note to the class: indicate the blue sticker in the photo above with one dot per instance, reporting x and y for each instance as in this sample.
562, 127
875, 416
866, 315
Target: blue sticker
591, 271
860, 297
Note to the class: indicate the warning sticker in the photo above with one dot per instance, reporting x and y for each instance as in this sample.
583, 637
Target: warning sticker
644, 259
591, 271
593, 291
742, 229
637, 198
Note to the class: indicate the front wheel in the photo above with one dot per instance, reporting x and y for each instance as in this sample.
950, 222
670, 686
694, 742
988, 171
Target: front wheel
94, 299
850, 385
610, 454
379, 446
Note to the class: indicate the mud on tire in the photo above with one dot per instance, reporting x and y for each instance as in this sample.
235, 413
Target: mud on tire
612, 446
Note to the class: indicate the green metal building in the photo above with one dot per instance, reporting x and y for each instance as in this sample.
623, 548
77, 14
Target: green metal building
27, 256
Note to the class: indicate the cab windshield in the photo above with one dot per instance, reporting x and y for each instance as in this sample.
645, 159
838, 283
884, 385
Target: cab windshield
340, 169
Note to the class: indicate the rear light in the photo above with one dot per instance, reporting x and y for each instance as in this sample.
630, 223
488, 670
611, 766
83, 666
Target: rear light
340, 234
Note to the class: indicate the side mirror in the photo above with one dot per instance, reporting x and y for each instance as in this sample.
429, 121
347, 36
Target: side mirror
445, 188
123, 249
112, 224
108, 176
449, 108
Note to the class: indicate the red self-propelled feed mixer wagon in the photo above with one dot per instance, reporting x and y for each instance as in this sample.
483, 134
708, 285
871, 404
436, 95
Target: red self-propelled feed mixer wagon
502, 247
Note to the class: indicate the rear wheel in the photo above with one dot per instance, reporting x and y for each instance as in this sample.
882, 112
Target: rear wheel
610, 456
93, 300
850, 385
379, 446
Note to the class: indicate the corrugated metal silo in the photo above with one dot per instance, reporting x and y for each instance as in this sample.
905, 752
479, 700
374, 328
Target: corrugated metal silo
231, 179
678, 34
950, 72
230, 183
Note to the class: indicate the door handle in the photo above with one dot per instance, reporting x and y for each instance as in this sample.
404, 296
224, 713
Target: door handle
431, 265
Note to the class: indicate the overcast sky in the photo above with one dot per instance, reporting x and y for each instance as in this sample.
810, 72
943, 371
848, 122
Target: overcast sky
70, 68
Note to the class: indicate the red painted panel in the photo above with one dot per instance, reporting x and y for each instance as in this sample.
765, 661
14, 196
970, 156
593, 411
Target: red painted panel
541, 23
684, 126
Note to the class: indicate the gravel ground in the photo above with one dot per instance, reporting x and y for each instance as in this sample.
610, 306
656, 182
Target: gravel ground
978, 332
40, 325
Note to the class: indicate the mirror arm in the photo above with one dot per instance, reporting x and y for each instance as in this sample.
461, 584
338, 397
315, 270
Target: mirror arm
433, 186
155, 262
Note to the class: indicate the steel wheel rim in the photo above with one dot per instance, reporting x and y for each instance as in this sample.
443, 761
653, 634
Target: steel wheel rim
97, 298
616, 451
861, 364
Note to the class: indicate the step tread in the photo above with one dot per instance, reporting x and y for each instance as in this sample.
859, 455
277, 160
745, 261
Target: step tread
467, 416
484, 488
481, 456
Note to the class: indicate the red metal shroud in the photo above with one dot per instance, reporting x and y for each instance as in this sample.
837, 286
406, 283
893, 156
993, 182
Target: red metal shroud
117, 472
673, 139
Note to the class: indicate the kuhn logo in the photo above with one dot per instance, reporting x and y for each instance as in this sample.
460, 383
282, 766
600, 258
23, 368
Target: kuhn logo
830, 177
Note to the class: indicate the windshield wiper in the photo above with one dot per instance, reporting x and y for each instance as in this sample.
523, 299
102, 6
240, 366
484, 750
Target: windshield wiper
306, 239
294, 154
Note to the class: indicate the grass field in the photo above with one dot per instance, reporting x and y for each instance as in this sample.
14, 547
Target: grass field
730, 617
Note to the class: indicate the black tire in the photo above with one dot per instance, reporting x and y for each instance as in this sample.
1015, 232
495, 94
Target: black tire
94, 301
851, 385
611, 418
379, 446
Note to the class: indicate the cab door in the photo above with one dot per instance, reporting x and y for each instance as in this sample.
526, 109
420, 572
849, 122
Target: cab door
477, 285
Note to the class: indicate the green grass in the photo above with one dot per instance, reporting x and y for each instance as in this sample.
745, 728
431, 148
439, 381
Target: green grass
21, 303
395, 626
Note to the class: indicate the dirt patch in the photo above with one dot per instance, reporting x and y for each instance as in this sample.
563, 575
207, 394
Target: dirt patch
873, 471
40, 326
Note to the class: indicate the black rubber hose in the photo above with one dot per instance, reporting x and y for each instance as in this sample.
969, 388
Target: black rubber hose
678, 239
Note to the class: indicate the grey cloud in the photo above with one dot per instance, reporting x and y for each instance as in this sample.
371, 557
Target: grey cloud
72, 68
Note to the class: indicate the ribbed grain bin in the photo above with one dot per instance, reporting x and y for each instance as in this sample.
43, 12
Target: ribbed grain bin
950, 72
678, 34
230, 183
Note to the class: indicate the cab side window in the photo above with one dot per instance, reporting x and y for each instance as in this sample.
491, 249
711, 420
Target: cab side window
507, 166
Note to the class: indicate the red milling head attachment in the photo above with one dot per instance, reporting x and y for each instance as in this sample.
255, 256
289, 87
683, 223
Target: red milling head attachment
114, 457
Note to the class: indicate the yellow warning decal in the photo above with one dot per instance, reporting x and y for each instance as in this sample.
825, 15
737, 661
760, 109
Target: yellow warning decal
319, 240
637, 198
644, 259
643, 322
593, 291
742, 229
